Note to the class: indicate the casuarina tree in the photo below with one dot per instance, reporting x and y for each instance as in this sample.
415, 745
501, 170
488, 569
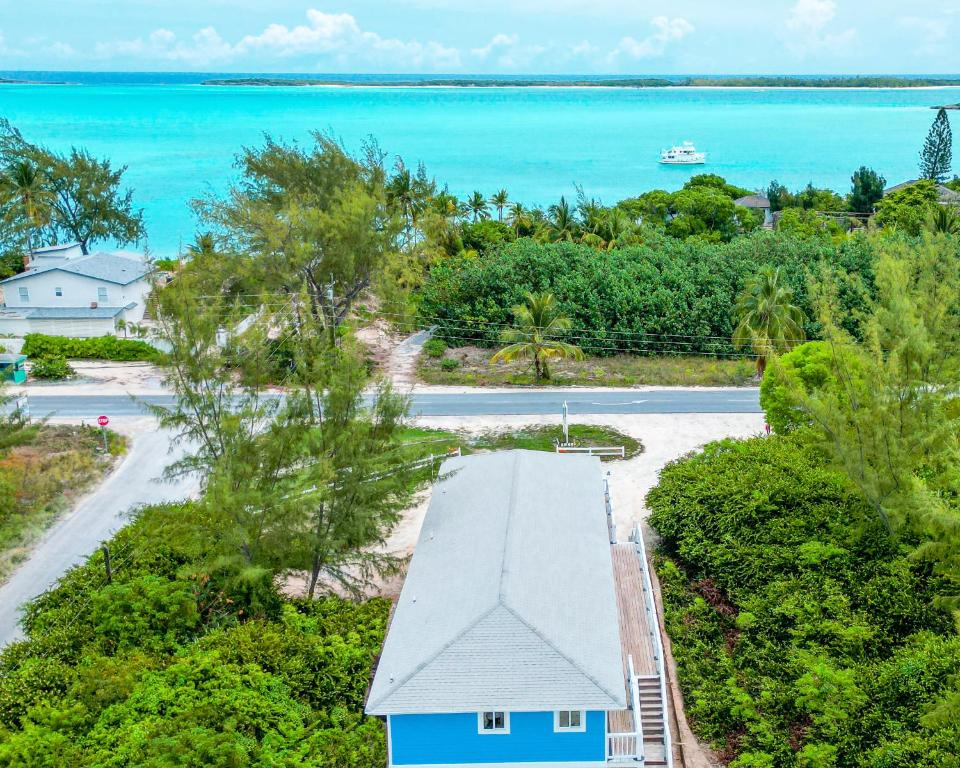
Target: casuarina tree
937, 155
867, 189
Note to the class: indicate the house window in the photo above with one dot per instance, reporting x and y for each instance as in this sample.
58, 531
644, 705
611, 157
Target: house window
493, 722
102, 295
570, 721
58, 291
24, 293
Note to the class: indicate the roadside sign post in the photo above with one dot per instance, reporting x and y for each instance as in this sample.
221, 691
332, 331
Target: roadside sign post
103, 421
566, 429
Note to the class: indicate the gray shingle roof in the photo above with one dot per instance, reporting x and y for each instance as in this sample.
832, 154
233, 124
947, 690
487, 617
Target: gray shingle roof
107, 267
509, 600
945, 194
753, 201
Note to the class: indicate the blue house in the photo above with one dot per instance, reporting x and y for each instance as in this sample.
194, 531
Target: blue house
504, 648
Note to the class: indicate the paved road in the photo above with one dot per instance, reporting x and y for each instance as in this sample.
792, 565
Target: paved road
100, 514
94, 519
519, 402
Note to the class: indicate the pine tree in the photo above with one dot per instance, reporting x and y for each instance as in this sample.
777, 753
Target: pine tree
937, 155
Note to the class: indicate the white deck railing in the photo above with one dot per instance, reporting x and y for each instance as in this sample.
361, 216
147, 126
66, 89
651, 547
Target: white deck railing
624, 747
608, 503
654, 625
596, 450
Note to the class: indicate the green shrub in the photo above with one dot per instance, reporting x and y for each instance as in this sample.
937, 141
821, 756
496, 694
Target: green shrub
449, 364
54, 368
38, 345
664, 296
434, 348
803, 633
163, 667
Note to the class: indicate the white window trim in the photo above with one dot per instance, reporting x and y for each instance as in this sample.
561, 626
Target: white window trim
102, 291
58, 291
23, 293
570, 729
497, 731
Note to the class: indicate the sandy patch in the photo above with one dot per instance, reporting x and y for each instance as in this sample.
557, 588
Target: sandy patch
103, 377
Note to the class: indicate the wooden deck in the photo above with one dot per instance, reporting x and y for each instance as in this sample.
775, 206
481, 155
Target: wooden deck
634, 627
635, 636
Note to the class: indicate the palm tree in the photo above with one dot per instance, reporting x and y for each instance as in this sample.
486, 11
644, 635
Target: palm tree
538, 322
499, 200
767, 319
400, 194
22, 184
477, 205
944, 219
204, 244
562, 224
518, 218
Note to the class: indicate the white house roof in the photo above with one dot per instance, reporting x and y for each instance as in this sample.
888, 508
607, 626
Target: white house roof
106, 267
509, 600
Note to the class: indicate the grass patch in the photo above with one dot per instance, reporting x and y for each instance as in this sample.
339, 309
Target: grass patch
40, 480
533, 438
470, 366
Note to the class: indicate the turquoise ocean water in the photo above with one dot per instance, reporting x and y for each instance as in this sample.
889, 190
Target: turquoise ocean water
179, 140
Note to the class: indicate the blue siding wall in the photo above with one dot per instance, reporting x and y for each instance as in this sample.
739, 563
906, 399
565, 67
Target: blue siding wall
453, 738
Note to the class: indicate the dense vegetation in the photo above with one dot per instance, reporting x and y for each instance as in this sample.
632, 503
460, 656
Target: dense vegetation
165, 664
812, 580
42, 347
663, 296
804, 634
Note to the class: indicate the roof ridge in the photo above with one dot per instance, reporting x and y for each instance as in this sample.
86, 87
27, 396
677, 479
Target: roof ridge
511, 508
430, 659
560, 653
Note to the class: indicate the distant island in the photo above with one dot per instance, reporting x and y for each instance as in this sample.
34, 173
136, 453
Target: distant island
946, 106
13, 81
641, 82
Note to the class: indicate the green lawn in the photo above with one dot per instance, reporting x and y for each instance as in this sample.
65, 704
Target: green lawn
470, 366
534, 438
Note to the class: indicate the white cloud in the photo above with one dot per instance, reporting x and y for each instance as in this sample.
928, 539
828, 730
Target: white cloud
333, 37
339, 34
667, 31
204, 47
808, 28
60, 50
497, 41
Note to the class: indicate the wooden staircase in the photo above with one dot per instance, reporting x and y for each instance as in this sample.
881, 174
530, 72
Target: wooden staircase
652, 719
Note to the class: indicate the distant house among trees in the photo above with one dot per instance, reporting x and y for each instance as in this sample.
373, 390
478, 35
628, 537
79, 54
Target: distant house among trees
758, 203
945, 195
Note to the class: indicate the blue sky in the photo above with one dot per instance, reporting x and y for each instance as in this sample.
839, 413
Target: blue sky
483, 36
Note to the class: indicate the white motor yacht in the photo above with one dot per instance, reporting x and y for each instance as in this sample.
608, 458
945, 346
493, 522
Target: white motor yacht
685, 154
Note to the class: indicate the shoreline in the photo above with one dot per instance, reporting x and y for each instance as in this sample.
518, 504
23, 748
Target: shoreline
498, 87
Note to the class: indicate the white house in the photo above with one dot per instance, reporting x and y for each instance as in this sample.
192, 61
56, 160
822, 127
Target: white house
64, 292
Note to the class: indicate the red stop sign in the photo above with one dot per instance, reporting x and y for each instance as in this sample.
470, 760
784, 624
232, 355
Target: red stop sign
103, 421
